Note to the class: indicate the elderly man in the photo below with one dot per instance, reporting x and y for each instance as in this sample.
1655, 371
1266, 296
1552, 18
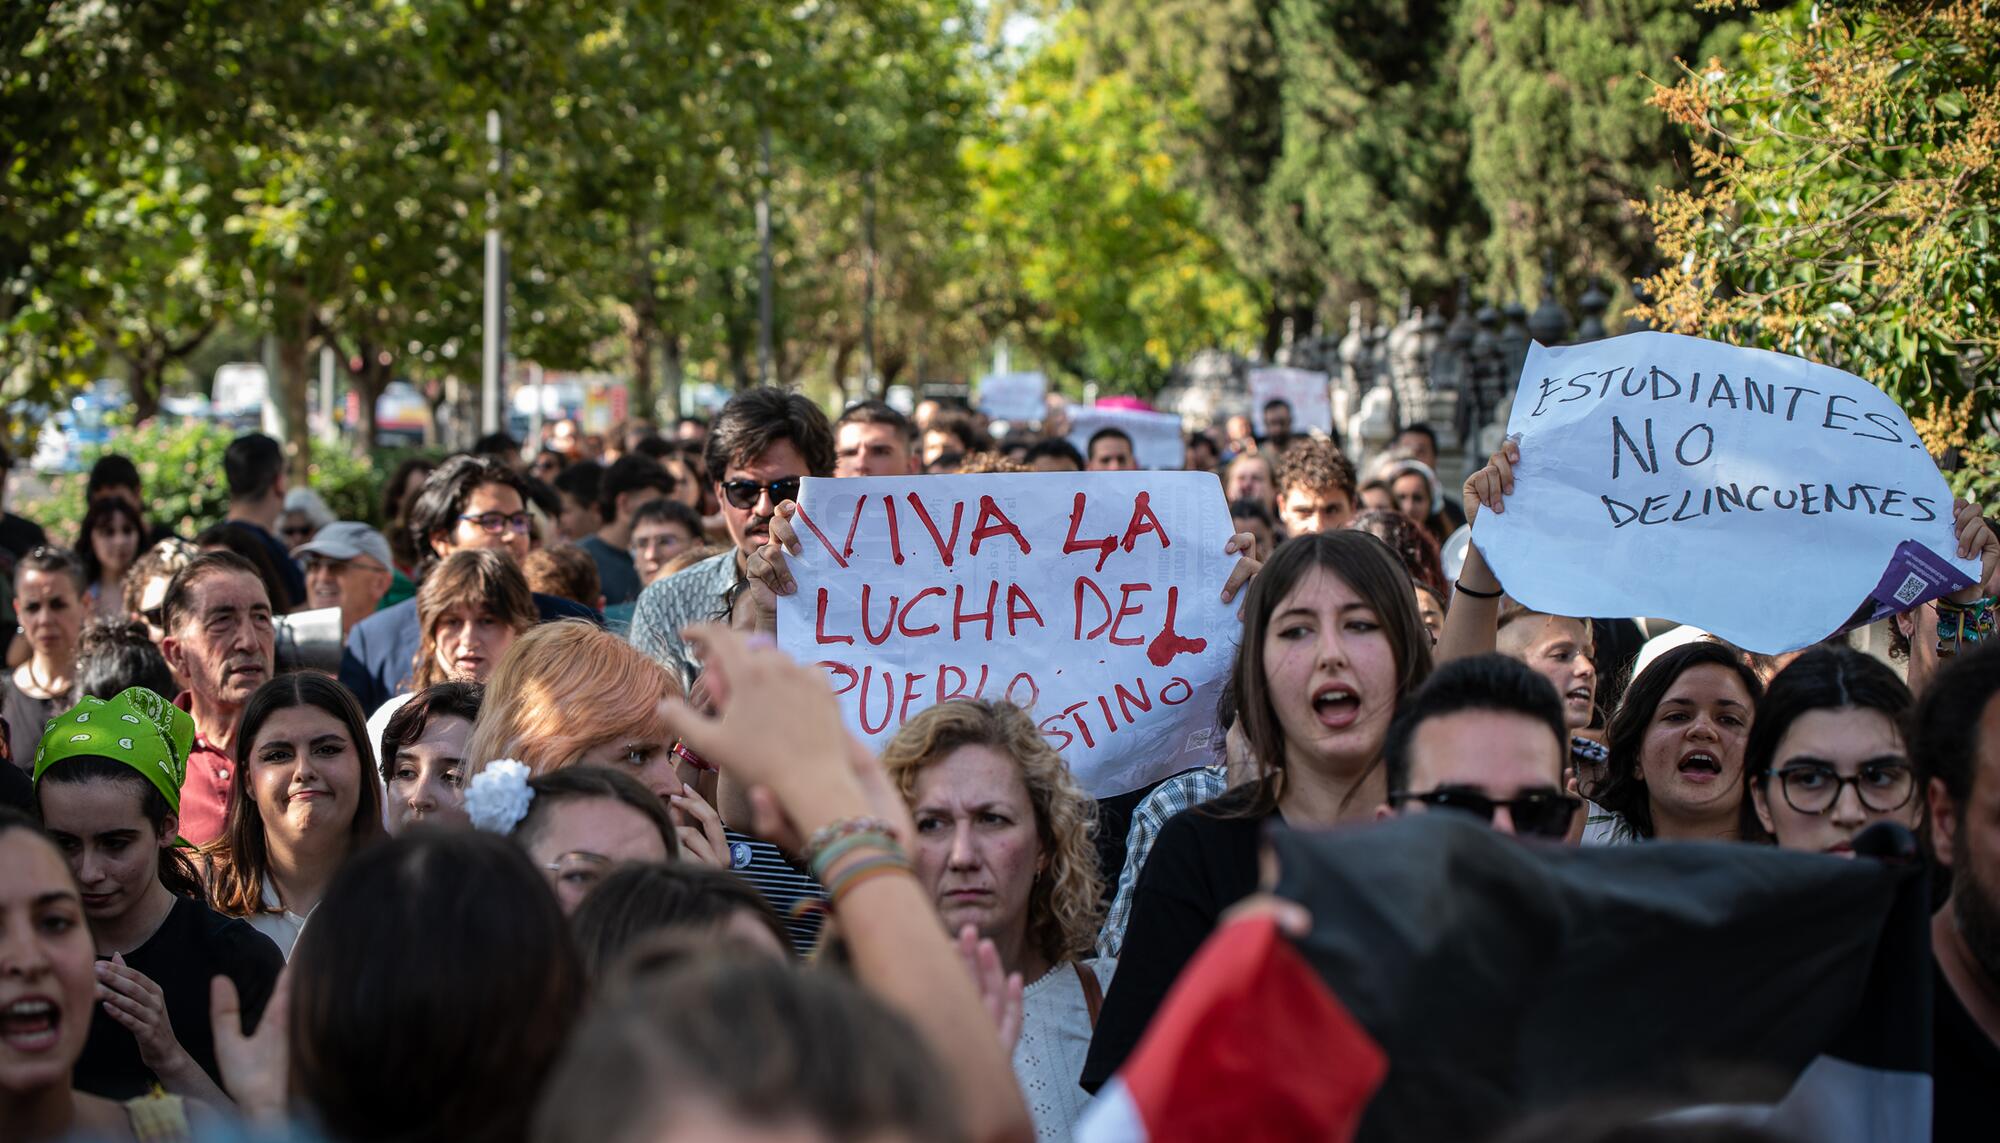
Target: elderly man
348, 566
220, 642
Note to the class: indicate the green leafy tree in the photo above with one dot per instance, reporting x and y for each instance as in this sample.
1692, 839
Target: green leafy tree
1563, 144
1849, 206
1098, 259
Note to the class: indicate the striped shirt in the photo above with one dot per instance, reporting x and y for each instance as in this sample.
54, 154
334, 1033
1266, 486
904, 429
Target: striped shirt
782, 884
1167, 799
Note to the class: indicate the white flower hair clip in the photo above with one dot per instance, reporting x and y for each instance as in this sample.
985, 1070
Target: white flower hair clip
499, 796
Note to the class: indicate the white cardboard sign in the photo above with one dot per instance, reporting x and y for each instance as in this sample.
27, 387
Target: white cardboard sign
1759, 496
1016, 397
1156, 437
1304, 391
1094, 602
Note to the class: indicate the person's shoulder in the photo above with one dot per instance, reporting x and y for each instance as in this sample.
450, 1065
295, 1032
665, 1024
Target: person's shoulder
231, 940
556, 607
388, 619
594, 544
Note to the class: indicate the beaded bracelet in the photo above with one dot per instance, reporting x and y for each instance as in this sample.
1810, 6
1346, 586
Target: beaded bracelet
833, 831
1959, 624
840, 847
863, 870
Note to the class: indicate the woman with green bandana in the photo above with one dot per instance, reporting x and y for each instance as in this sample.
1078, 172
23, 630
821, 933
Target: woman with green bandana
108, 782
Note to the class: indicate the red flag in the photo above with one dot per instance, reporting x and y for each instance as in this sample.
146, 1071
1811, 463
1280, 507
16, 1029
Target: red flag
1249, 1046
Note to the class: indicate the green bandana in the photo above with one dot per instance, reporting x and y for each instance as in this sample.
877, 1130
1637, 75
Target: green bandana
136, 727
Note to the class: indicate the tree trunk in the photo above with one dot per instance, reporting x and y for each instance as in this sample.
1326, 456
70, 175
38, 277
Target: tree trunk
368, 383
671, 371
293, 384
868, 367
641, 332
767, 321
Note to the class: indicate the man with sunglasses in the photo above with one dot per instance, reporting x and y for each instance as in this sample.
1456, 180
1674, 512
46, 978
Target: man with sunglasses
469, 502
759, 447
1483, 736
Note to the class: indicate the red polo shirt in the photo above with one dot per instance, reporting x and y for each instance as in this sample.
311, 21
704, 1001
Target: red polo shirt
205, 795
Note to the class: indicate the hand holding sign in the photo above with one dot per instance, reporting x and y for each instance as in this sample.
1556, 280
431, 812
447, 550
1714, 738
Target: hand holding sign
1668, 476
1101, 603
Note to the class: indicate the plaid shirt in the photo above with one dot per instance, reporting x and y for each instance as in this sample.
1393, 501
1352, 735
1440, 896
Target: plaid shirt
1167, 799
697, 594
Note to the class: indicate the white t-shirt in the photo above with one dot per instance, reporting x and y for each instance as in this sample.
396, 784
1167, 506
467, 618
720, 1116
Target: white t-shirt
1055, 1038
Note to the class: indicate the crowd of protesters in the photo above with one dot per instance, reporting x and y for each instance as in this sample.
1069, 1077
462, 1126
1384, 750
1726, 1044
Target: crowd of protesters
565, 848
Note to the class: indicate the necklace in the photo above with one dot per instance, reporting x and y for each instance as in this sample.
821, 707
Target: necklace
48, 687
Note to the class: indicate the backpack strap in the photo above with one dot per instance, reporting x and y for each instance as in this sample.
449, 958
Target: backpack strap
1093, 992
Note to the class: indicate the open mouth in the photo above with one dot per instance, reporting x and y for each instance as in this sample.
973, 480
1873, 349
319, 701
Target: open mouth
31, 1025
1579, 695
1700, 766
1336, 705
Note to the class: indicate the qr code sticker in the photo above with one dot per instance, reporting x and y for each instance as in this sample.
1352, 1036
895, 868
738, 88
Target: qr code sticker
1913, 586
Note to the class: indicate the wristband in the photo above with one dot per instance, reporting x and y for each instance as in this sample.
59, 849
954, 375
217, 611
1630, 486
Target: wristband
1459, 587
1959, 624
866, 869
833, 831
841, 847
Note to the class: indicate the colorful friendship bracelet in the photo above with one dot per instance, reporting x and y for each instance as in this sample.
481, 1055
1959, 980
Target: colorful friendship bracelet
1960, 624
833, 831
825, 858
865, 869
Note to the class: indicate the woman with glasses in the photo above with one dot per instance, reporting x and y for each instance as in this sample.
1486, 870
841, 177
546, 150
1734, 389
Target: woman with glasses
109, 542
51, 603
1826, 756
576, 824
304, 801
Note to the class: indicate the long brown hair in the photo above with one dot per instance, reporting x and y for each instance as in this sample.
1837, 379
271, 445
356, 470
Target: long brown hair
1376, 574
240, 860
481, 579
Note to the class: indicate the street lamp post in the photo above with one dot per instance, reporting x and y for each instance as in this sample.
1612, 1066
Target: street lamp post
492, 364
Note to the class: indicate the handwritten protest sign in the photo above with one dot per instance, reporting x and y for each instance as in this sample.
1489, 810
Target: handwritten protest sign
1304, 391
1156, 437
1013, 396
1753, 494
1094, 602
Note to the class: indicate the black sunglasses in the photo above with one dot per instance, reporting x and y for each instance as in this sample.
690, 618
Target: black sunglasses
1537, 813
744, 494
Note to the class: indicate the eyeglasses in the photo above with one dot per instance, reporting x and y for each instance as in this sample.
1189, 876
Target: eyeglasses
1536, 813
580, 867
744, 494
1813, 787
494, 523
318, 562
155, 616
300, 531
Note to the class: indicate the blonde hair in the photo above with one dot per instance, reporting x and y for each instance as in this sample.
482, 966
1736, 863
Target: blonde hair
561, 689
1064, 907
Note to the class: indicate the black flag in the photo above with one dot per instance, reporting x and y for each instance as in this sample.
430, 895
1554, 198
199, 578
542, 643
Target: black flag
1504, 977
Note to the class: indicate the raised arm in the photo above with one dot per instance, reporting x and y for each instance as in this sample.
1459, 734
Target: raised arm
1472, 620
808, 778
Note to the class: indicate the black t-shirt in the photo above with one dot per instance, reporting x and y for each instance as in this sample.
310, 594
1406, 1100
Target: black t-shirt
1965, 1063
281, 559
193, 945
1202, 863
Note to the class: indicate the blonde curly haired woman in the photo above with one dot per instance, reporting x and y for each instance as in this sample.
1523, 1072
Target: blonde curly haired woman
1003, 845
